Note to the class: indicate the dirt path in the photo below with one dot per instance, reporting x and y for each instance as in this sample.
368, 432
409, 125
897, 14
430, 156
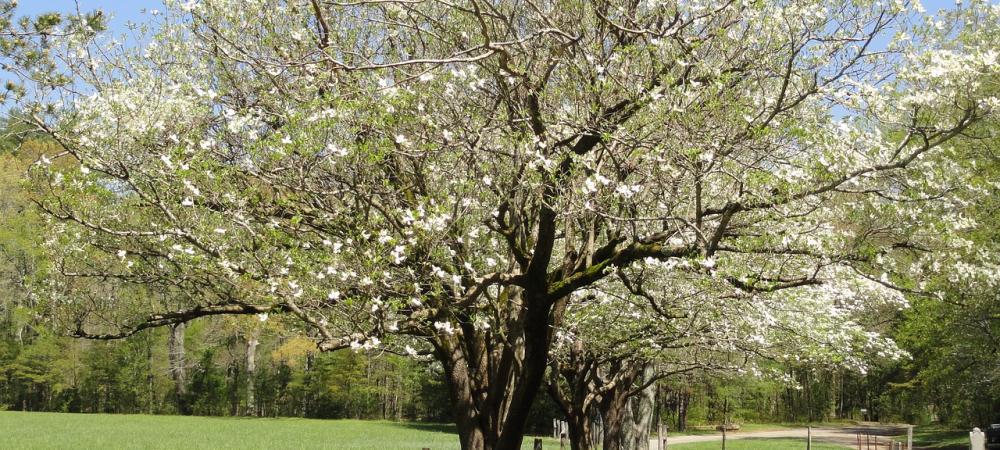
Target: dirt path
844, 436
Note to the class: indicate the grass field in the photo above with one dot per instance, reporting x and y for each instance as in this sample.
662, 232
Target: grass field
103, 431
758, 444
936, 437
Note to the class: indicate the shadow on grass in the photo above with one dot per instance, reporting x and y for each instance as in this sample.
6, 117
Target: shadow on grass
429, 426
941, 439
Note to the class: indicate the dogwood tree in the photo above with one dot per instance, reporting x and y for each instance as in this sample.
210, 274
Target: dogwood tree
644, 324
452, 176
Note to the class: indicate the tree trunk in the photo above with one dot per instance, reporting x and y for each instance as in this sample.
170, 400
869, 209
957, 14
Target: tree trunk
639, 413
683, 398
494, 376
307, 395
580, 427
575, 401
178, 371
150, 381
613, 407
251, 364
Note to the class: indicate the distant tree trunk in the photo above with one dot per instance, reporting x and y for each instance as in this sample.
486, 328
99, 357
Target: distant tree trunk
251, 364
307, 394
178, 371
235, 382
149, 377
683, 399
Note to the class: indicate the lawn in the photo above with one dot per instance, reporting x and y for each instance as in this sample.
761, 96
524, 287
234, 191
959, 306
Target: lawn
936, 437
104, 431
758, 444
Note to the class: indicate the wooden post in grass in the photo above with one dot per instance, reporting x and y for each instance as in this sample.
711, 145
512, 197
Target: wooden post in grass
723, 435
809, 438
909, 437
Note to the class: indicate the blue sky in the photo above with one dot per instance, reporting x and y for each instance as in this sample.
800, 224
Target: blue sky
124, 11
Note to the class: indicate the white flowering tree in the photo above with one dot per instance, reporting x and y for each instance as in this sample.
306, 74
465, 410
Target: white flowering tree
425, 175
644, 324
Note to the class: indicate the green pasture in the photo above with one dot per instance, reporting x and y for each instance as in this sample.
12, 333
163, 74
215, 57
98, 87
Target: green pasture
20, 430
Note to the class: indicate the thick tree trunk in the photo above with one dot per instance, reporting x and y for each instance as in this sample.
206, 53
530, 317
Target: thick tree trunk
494, 377
538, 332
639, 413
471, 430
178, 371
580, 427
619, 417
613, 407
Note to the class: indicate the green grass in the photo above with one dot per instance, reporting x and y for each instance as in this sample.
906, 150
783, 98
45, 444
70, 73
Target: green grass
105, 431
757, 444
937, 437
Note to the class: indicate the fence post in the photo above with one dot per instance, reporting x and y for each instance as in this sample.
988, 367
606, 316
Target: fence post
723, 436
977, 440
909, 437
809, 438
